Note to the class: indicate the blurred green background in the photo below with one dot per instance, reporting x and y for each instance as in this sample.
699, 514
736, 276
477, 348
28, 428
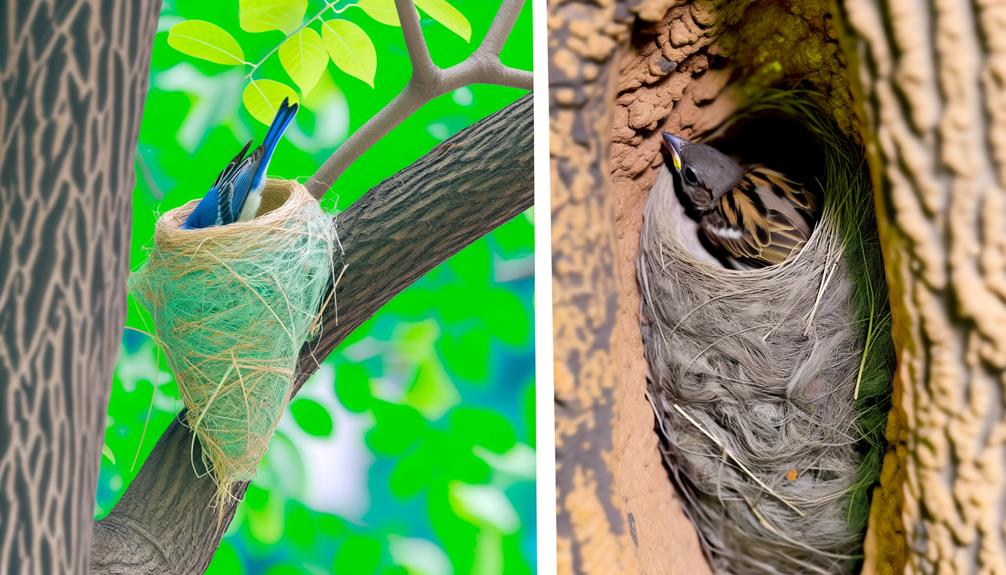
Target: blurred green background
412, 448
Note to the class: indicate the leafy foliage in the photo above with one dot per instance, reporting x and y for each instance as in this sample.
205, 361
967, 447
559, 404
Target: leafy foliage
304, 52
412, 448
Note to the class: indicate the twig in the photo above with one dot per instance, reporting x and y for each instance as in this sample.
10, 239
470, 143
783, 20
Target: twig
328, 4
424, 71
501, 27
428, 81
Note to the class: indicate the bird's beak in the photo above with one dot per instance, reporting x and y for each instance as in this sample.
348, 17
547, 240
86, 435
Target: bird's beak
673, 145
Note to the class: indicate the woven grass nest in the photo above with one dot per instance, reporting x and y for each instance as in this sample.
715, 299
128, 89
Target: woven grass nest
232, 306
771, 387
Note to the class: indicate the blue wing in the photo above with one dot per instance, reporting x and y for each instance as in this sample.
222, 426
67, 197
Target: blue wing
243, 176
207, 211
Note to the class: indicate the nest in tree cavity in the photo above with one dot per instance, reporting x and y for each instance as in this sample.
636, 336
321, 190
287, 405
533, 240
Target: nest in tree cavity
232, 306
771, 386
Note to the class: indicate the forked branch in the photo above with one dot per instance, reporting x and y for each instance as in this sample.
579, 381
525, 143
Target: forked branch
428, 81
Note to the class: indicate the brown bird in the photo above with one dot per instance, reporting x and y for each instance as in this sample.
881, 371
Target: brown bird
750, 216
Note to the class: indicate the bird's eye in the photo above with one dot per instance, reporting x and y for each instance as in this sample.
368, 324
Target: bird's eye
689, 175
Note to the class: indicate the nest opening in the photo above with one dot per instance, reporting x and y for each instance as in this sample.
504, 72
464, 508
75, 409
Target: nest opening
778, 140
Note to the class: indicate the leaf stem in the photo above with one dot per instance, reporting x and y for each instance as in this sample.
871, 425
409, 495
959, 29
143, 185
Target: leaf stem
328, 4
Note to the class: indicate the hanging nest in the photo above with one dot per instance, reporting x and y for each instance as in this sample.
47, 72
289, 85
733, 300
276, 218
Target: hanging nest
232, 306
771, 387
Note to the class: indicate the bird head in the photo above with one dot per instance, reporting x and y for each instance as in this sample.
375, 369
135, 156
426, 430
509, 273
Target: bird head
705, 172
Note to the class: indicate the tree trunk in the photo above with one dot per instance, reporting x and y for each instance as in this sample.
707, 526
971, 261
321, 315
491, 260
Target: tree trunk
616, 510
927, 85
930, 89
458, 192
685, 68
72, 87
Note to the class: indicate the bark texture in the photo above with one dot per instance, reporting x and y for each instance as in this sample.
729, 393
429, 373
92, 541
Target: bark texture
460, 191
73, 77
616, 509
931, 92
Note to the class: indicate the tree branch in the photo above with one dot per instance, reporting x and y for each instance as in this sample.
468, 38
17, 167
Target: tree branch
424, 71
427, 82
392, 236
500, 29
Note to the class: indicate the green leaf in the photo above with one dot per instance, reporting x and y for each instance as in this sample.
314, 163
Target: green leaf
263, 97
530, 412
432, 392
484, 505
415, 340
226, 560
301, 531
482, 427
312, 417
381, 10
505, 315
330, 526
265, 515
303, 56
411, 474
350, 49
447, 15
397, 427
205, 40
466, 354
107, 452
358, 554
457, 459
266, 15
352, 387
474, 265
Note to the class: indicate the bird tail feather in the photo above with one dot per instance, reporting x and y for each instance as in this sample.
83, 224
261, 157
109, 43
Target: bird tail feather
279, 124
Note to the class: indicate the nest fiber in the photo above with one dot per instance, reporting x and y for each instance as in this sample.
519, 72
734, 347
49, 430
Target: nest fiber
770, 386
232, 305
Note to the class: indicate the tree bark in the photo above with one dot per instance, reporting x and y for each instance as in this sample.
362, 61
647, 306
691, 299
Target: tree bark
401, 229
616, 509
930, 81
72, 84
593, 530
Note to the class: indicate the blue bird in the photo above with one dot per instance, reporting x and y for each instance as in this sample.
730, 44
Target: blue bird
237, 193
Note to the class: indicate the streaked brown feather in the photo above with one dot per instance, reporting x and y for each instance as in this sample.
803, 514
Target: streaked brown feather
762, 221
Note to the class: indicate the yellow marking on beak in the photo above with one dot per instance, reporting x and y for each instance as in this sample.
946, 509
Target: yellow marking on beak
677, 161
